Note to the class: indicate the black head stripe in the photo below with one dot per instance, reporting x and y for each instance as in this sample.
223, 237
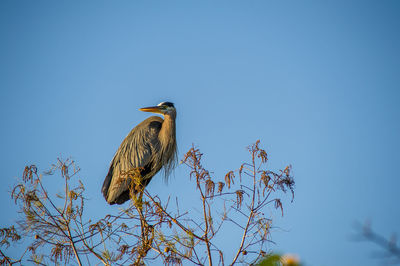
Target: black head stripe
166, 104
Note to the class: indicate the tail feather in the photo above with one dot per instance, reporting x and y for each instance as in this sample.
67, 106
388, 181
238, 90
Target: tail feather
107, 182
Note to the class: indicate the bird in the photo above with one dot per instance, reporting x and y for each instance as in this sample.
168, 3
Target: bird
149, 147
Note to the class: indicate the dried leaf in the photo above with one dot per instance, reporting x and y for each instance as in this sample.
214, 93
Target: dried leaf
210, 186
220, 186
278, 204
239, 198
229, 178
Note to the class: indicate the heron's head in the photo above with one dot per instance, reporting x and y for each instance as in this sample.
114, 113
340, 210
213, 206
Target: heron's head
164, 108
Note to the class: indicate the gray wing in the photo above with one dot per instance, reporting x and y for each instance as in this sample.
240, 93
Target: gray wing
136, 150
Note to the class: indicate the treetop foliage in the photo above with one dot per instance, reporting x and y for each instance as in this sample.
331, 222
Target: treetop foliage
149, 231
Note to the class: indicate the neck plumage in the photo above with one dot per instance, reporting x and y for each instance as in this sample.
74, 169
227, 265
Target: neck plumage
168, 144
167, 132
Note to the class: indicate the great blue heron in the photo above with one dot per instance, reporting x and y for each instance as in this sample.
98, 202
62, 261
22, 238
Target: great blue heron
150, 146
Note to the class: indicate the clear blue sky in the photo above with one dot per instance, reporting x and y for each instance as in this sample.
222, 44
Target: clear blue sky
316, 81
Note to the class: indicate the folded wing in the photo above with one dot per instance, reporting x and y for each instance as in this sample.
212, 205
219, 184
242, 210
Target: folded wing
137, 150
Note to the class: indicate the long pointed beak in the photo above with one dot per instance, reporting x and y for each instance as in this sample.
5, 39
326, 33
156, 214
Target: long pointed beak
152, 109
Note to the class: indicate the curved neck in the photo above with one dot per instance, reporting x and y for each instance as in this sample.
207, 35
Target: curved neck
167, 132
